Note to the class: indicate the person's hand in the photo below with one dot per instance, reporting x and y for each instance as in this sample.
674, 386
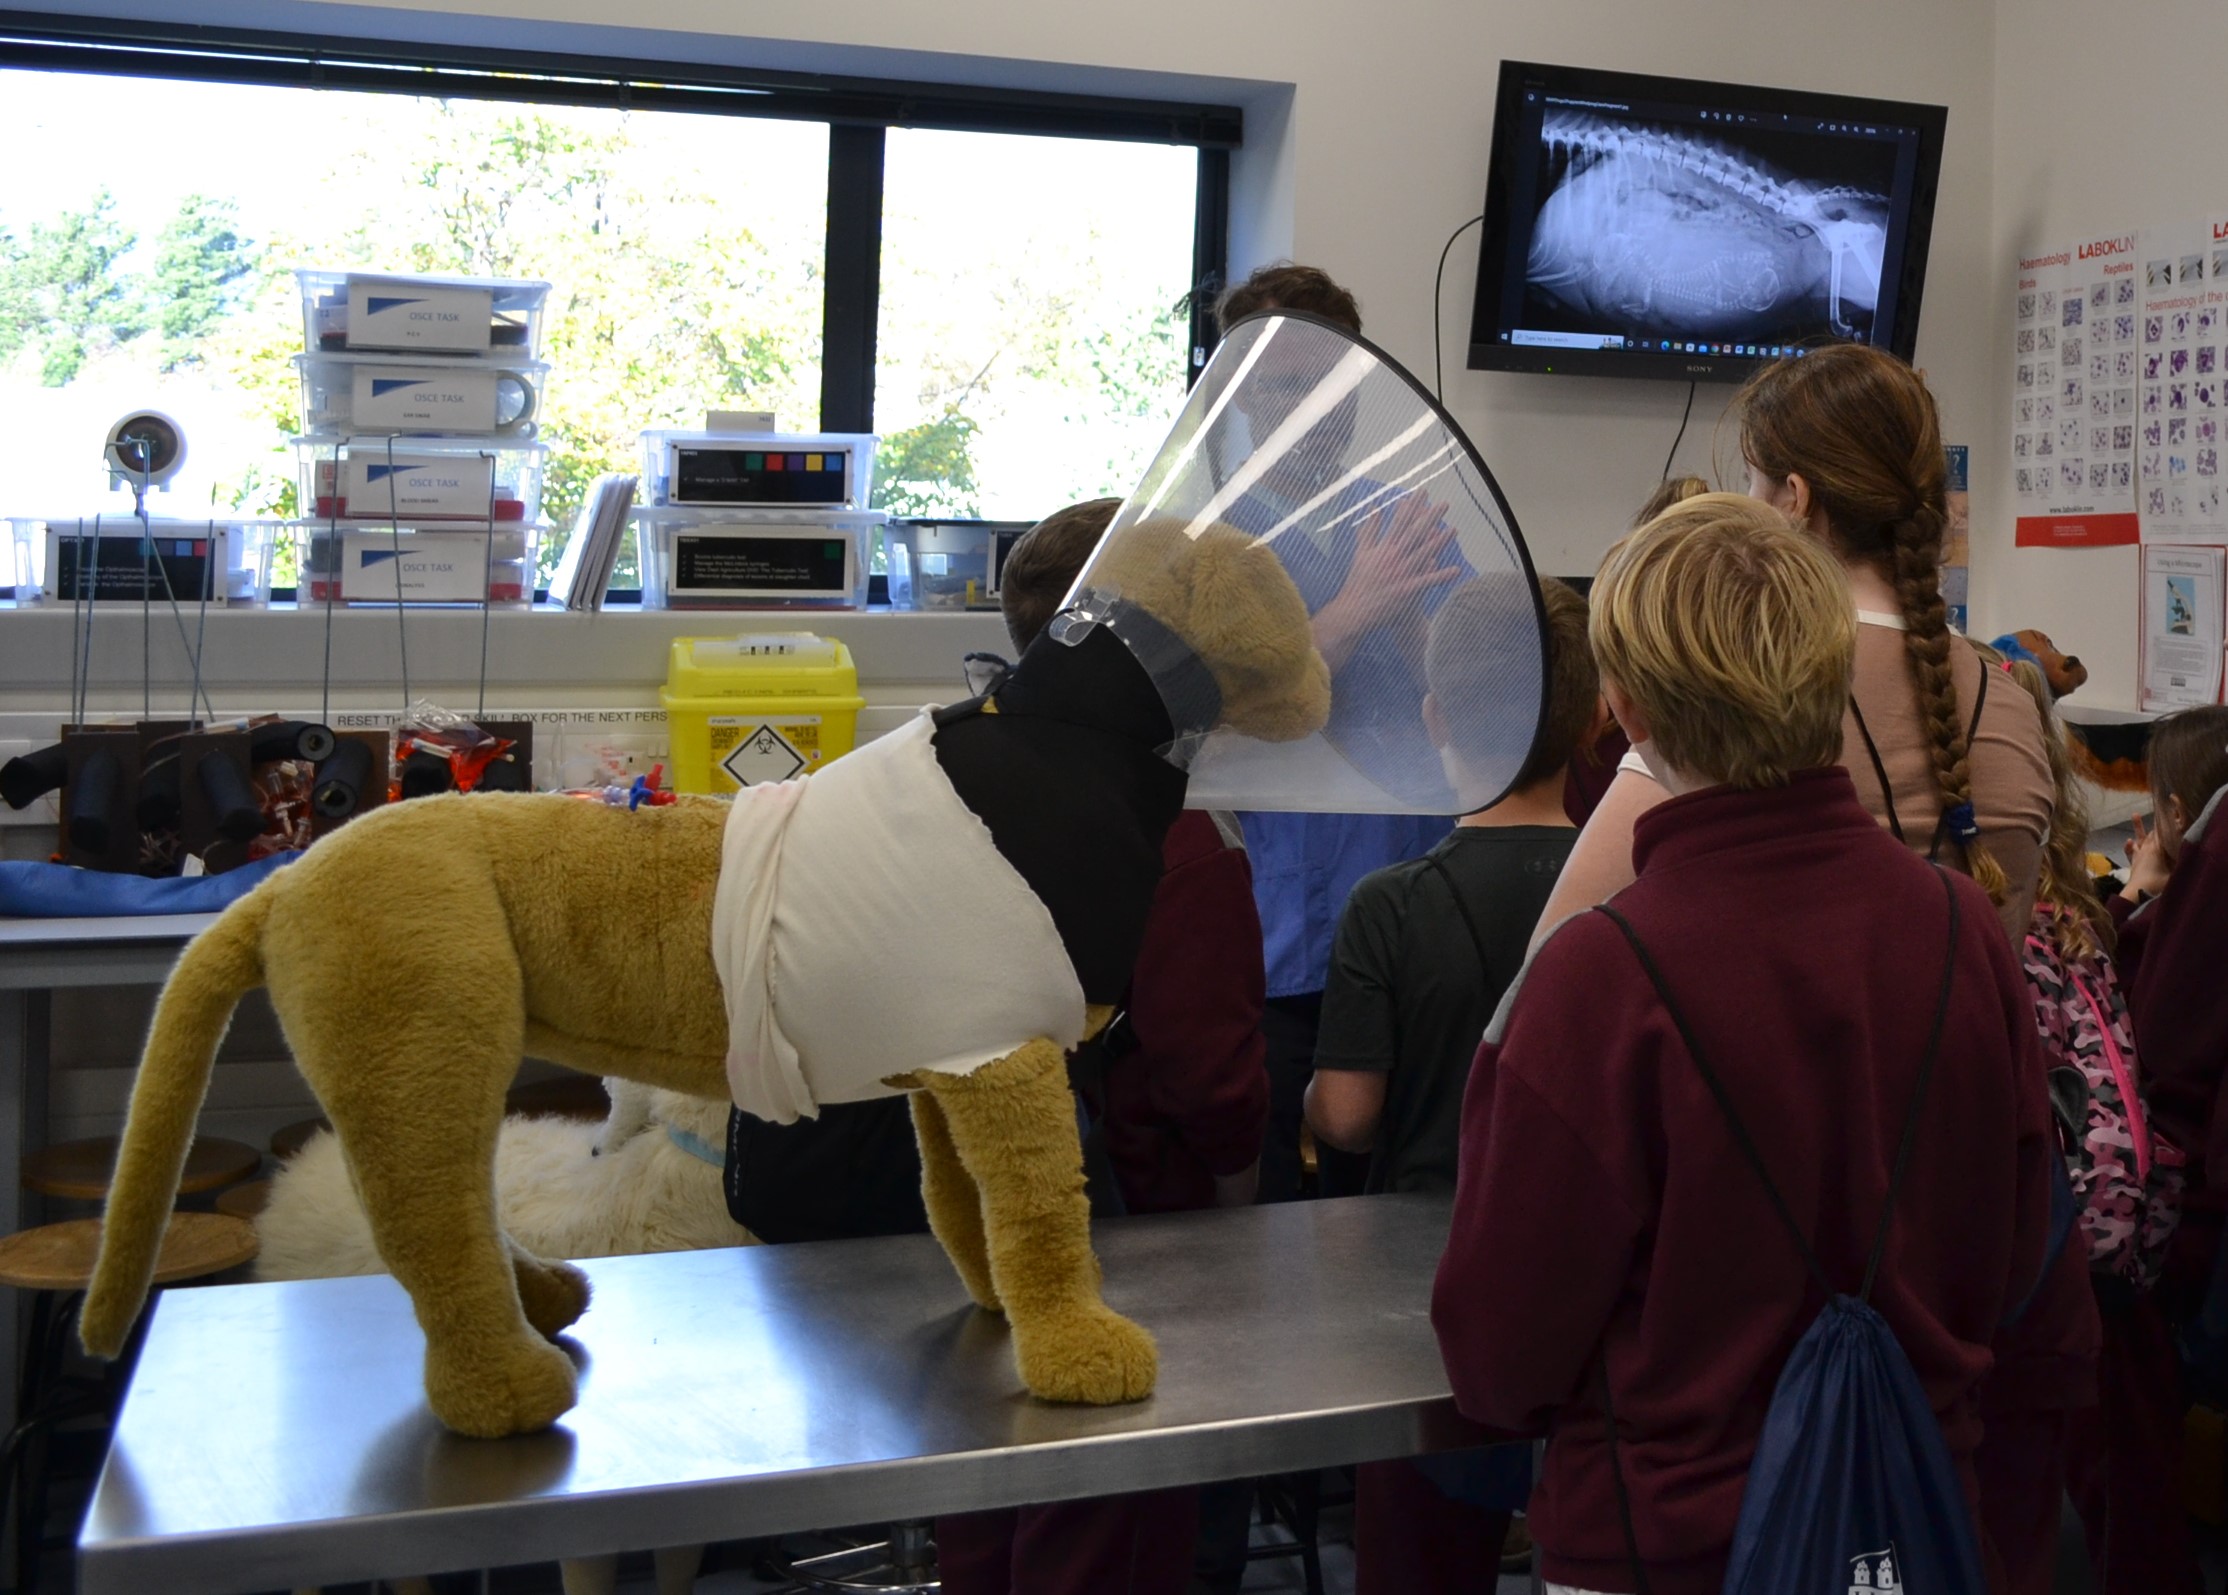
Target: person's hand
1397, 555
2148, 869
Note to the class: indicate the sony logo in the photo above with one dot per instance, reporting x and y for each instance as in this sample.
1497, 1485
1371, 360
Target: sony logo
1703, 370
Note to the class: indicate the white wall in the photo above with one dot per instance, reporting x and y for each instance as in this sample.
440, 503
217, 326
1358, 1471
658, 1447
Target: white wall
2101, 126
1374, 153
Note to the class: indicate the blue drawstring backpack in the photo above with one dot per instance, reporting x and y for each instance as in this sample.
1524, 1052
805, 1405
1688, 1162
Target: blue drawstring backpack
1851, 1487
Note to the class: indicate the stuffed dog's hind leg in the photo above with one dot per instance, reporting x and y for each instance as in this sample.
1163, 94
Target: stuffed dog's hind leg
409, 1043
1013, 1125
552, 1295
954, 1204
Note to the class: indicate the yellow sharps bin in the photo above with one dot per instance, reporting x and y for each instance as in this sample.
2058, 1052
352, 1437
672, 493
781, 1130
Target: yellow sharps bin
743, 711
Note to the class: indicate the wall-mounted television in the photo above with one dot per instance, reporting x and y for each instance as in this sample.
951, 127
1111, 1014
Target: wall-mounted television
1661, 227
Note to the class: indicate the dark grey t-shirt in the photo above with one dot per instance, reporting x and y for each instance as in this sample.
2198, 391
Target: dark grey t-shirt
1408, 994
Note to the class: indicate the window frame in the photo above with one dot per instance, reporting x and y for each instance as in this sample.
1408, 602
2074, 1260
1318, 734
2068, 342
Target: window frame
857, 110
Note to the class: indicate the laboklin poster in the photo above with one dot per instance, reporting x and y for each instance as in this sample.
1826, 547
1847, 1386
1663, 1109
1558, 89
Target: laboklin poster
2076, 365
2184, 408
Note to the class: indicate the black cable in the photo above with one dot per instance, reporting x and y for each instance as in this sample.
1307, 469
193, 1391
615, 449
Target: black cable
1438, 287
1684, 416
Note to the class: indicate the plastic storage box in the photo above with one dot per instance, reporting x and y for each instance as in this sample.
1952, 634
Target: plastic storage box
422, 479
743, 711
758, 470
755, 559
452, 316
437, 565
26, 569
949, 564
419, 396
223, 562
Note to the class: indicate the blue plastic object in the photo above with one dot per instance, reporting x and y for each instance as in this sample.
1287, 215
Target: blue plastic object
33, 890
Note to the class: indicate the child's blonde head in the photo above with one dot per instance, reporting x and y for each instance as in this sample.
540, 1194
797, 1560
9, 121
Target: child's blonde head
1733, 635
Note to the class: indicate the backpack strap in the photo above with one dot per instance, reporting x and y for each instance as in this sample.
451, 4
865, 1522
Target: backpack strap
1880, 768
1469, 921
1747, 1143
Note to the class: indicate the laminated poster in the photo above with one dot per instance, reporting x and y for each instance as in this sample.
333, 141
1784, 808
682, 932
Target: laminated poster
2076, 360
2184, 364
1958, 538
2182, 625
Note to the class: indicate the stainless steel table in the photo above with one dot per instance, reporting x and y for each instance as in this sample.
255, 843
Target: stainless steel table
38, 957
275, 1436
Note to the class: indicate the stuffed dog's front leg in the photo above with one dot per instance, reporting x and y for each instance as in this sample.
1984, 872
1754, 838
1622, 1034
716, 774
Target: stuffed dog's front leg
1012, 1123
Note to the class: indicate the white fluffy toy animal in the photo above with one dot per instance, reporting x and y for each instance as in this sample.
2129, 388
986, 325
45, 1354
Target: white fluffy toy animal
646, 1179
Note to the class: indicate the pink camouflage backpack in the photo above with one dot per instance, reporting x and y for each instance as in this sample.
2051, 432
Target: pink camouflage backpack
2126, 1178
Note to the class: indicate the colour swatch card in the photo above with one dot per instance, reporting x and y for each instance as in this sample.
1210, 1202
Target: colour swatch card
2076, 363
2184, 365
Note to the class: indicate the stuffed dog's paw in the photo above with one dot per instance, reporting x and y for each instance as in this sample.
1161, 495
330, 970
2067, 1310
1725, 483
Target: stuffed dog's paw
552, 1295
1085, 1353
515, 1387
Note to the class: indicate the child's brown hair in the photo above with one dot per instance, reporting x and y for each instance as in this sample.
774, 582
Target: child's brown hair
1671, 490
1859, 426
1285, 286
2188, 758
1044, 563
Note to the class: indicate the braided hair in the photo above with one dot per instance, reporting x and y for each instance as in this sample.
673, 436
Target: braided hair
1859, 426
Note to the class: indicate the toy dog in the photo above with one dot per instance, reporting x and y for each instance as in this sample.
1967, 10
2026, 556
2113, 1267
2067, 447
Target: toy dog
414, 956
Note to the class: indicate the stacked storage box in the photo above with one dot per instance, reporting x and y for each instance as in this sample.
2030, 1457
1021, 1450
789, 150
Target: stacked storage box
420, 476
756, 520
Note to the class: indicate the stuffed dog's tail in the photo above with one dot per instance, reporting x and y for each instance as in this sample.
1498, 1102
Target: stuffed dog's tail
218, 967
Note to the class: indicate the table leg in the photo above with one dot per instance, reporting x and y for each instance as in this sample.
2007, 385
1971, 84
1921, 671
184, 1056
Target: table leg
26, 1019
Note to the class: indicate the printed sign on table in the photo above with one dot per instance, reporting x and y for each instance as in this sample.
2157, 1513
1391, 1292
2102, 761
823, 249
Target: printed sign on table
2075, 380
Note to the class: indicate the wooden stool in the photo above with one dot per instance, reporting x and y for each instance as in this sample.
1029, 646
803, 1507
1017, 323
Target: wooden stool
59, 1257
290, 1138
56, 1260
245, 1201
81, 1170
569, 1096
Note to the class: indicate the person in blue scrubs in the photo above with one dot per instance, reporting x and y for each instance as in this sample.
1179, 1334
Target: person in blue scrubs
1305, 865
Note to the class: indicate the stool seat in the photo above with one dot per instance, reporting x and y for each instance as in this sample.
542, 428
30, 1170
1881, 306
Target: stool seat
60, 1256
289, 1139
82, 1170
567, 1096
245, 1201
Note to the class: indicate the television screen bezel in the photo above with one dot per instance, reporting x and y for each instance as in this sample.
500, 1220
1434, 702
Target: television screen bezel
1489, 353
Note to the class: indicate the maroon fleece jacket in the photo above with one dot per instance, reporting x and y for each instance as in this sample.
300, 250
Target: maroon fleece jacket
1191, 1100
1603, 1209
2170, 956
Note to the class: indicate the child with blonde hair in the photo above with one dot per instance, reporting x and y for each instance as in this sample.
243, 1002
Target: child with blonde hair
1685, 1128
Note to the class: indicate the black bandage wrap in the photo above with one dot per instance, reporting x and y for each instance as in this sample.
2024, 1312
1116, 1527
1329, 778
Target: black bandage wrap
1186, 686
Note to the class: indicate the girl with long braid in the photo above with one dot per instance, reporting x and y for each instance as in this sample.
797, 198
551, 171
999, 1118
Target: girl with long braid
1845, 441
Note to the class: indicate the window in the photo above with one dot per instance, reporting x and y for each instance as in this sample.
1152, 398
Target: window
1032, 329
717, 242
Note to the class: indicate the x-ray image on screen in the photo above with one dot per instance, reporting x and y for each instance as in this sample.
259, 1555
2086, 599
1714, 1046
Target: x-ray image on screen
1675, 231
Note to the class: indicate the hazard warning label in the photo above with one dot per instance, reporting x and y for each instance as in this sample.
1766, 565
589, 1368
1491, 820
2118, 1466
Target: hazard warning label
751, 750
